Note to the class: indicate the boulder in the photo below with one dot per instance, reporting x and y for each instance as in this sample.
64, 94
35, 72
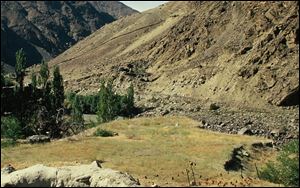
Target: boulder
38, 139
214, 106
277, 132
91, 175
258, 145
202, 124
8, 169
245, 131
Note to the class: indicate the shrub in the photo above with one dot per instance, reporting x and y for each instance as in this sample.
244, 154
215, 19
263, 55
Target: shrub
10, 128
213, 106
8, 143
286, 169
103, 133
91, 124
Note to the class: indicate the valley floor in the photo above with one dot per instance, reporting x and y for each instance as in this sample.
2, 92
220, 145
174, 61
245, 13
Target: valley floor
156, 150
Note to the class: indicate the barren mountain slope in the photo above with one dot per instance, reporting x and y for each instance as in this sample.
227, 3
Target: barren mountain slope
237, 53
46, 28
114, 8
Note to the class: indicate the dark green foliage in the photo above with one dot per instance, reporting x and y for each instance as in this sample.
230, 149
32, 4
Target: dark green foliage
10, 128
103, 133
2, 77
2, 85
37, 110
111, 104
47, 98
91, 124
58, 89
20, 67
33, 81
286, 169
89, 102
77, 114
105, 106
44, 74
8, 143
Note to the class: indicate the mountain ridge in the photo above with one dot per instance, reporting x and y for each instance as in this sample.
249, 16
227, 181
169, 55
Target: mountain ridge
45, 29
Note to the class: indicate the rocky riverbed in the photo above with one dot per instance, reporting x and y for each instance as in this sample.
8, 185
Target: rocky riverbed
280, 124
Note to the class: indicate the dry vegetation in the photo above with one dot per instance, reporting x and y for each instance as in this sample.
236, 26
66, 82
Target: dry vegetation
154, 150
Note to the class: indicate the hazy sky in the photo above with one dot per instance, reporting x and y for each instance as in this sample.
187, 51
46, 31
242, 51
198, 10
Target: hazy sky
143, 5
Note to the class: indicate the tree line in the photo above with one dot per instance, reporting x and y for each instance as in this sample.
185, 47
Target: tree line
43, 108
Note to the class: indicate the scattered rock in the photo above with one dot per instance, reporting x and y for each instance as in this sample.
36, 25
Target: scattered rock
38, 139
8, 169
245, 131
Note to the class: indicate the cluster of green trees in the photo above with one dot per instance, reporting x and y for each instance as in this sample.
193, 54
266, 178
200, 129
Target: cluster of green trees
112, 105
107, 104
35, 107
40, 109
87, 103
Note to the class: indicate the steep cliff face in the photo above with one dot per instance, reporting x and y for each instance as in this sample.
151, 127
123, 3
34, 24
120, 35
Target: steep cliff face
238, 53
46, 28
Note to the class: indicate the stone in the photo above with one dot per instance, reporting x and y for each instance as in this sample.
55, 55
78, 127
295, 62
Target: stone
213, 106
275, 132
38, 139
245, 131
258, 145
8, 169
165, 112
90, 175
269, 144
115, 134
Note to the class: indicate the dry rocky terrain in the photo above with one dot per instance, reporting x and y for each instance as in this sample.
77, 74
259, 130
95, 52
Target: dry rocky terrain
240, 53
231, 66
184, 56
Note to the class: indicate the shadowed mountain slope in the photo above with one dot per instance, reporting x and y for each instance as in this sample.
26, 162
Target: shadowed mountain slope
46, 28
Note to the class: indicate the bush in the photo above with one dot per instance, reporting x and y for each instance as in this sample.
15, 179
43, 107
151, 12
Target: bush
10, 128
103, 133
213, 106
286, 169
91, 124
8, 143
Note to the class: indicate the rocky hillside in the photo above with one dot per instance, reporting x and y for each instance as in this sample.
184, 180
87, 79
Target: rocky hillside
237, 53
47, 28
114, 8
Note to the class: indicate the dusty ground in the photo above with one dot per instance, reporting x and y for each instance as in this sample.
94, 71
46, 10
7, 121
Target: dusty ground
154, 150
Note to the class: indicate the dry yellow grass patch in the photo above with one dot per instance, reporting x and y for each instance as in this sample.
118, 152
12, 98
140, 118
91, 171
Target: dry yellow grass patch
145, 148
